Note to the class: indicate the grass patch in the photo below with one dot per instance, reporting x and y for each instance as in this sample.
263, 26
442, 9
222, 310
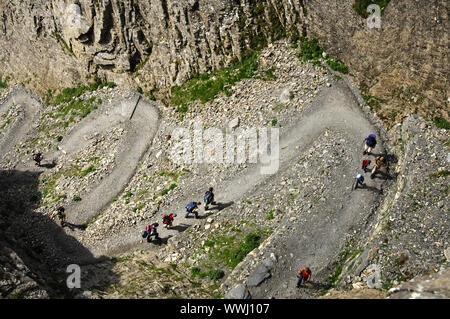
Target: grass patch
270, 215
443, 173
68, 94
311, 51
4, 83
337, 65
166, 190
269, 74
87, 171
76, 198
441, 123
207, 86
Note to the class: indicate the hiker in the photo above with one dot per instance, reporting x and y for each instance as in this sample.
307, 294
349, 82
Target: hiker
209, 198
192, 208
359, 180
369, 143
60, 214
168, 220
380, 161
303, 275
38, 157
151, 230
366, 162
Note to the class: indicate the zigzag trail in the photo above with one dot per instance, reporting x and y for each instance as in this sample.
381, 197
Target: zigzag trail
335, 109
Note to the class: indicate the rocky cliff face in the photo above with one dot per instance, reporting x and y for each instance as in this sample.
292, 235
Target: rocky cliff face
160, 43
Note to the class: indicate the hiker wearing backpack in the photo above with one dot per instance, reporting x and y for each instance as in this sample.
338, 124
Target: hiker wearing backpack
192, 208
303, 275
359, 180
168, 220
150, 231
60, 214
38, 157
380, 161
209, 198
369, 143
366, 162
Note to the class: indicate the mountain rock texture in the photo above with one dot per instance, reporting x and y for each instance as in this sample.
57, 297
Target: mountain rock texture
161, 43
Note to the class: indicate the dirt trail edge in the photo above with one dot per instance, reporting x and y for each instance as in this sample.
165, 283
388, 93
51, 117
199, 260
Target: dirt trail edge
141, 123
29, 106
334, 109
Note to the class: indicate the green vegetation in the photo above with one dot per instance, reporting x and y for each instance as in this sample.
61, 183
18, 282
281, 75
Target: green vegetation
4, 83
337, 65
69, 94
63, 43
443, 173
360, 6
269, 74
206, 86
88, 170
270, 214
441, 123
76, 198
166, 190
311, 51
274, 122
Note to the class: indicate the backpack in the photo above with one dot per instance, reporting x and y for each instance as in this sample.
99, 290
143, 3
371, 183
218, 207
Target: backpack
371, 140
190, 206
166, 219
36, 157
207, 196
144, 234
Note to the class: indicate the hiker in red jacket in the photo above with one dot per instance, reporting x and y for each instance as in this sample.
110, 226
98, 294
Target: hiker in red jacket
168, 220
303, 275
366, 162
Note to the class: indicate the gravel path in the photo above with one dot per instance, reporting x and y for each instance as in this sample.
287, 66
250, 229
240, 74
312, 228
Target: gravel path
335, 109
28, 107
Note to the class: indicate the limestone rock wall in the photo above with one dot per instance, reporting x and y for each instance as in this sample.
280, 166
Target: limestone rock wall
161, 43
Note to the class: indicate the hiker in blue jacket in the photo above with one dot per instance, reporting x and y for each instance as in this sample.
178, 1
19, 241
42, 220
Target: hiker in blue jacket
192, 208
369, 143
359, 180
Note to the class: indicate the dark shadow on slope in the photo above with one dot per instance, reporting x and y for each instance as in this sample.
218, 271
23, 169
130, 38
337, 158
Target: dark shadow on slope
382, 175
371, 189
43, 246
49, 165
318, 285
205, 215
73, 226
180, 228
221, 206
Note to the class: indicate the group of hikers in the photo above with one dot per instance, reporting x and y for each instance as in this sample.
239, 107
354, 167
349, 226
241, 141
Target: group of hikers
369, 144
151, 230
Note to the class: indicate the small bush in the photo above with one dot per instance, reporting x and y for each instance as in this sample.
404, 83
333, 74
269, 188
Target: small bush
195, 271
441, 123
4, 83
76, 198
215, 274
87, 171
251, 242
